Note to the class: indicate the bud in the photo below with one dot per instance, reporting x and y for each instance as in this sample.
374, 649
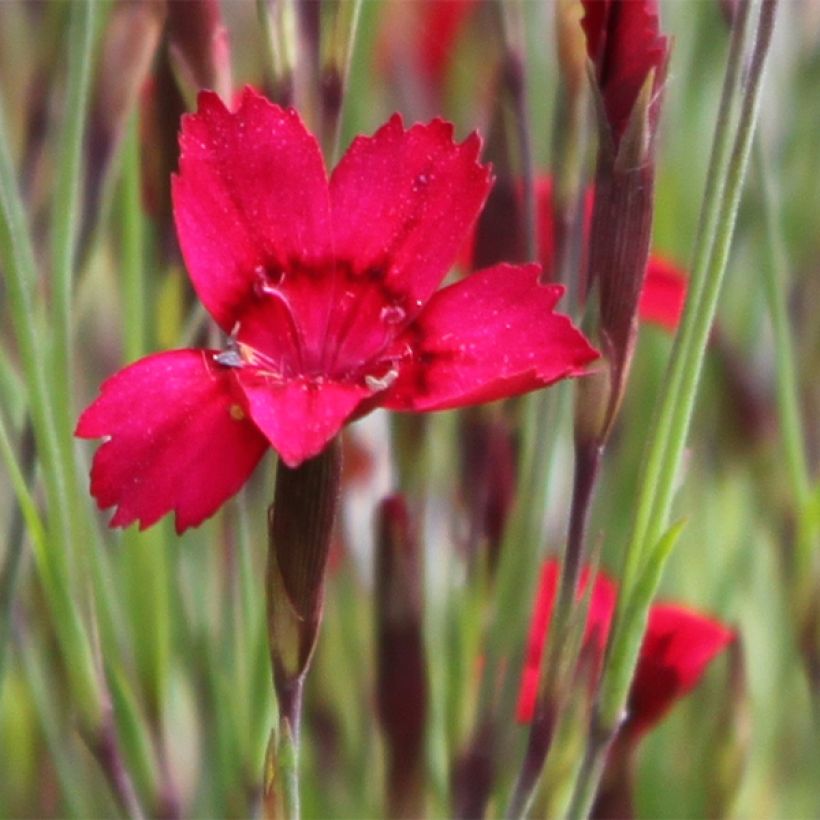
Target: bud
626, 49
488, 452
161, 107
401, 686
199, 45
629, 59
498, 234
300, 527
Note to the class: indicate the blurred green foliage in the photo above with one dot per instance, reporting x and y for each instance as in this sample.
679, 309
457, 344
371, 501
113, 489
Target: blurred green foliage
175, 625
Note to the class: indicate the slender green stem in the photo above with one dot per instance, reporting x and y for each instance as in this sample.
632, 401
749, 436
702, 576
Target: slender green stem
788, 397
629, 622
521, 545
278, 21
569, 141
17, 256
336, 71
61, 744
24, 514
687, 359
511, 20
133, 269
66, 209
704, 242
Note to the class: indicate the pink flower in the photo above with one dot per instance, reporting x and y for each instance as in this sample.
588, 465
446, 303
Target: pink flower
678, 646
327, 289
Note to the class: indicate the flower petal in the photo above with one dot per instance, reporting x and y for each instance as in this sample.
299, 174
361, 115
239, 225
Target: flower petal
664, 294
250, 197
403, 202
177, 439
492, 335
678, 646
299, 416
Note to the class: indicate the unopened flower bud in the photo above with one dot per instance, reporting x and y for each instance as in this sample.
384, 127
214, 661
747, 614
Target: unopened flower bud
401, 688
301, 523
199, 44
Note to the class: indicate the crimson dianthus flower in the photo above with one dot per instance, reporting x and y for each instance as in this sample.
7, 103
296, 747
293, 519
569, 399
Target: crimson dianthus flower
327, 289
677, 647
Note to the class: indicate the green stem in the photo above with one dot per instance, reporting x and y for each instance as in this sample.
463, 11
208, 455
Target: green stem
66, 211
17, 256
278, 21
687, 359
25, 514
133, 269
59, 741
336, 70
630, 622
511, 20
704, 243
788, 396
520, 552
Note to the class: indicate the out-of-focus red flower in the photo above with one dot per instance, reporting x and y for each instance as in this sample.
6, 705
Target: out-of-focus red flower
327, 289
440, 25
664, 293
625, 45
497, 235
678, 646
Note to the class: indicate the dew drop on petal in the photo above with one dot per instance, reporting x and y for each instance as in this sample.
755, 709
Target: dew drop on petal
420, 182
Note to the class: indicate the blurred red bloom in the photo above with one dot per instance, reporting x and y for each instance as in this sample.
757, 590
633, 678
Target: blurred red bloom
625, 45
678, 646
327, 288
441, 24
663, 294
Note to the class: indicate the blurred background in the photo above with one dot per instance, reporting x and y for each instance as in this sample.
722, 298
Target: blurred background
134, 665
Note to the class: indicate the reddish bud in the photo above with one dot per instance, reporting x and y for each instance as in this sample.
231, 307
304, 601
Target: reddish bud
300, 531
618, 255
200, 46
626, 49
401, 688
629, 57
488, 459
